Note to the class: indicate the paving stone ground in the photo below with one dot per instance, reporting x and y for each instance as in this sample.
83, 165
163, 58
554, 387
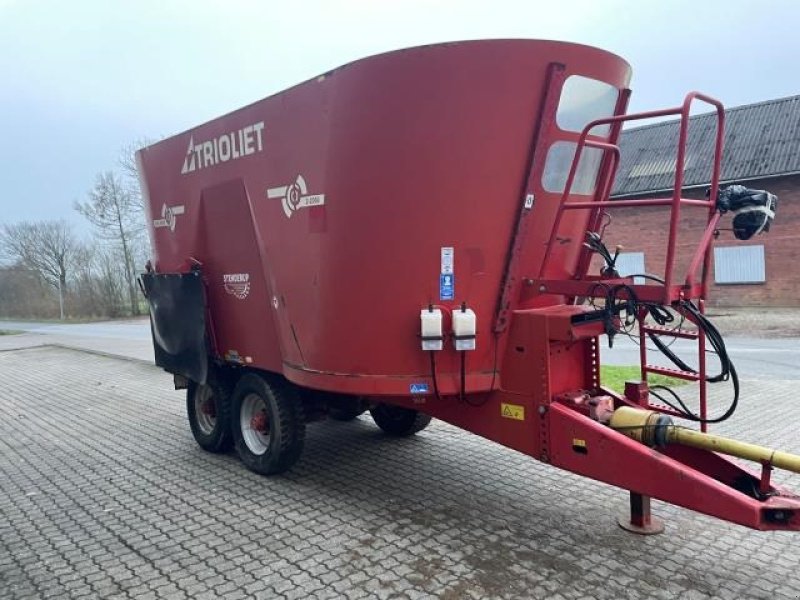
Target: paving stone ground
104, 494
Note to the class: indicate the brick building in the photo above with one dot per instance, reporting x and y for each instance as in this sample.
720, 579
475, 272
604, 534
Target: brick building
762, 151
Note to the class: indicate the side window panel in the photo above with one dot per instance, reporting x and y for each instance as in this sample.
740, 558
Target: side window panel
558, 163
582, 101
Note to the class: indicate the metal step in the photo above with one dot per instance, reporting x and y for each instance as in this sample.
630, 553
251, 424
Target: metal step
670, 332
676, 373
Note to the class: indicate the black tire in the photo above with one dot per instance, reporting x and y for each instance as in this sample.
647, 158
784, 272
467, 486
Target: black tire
346, 408
208, 407
399, 421
268, 423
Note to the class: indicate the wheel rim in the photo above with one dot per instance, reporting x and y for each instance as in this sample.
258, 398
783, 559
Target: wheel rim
205, 409
254, 424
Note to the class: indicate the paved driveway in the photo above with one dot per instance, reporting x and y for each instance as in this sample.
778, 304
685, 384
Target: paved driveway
103, 494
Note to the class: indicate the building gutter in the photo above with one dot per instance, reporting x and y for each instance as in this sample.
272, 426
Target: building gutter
701, 185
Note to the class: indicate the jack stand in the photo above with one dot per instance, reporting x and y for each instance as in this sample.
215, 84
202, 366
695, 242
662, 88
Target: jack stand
640, 520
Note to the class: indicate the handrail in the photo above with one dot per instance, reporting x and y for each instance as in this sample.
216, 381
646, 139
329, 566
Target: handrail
603, 189
667, 293
596, 217
633, 203
680, 167
608, 181
704, 248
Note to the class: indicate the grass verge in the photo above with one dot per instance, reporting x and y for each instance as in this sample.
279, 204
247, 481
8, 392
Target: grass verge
614, 377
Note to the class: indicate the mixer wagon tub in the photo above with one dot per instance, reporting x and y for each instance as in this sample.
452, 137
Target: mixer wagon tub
419, 234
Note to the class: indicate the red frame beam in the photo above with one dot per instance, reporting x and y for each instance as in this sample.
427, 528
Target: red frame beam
556, 73
652, 473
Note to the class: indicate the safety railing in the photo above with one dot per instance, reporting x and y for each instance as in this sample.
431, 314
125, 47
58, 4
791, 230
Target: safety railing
601, 200
663, 291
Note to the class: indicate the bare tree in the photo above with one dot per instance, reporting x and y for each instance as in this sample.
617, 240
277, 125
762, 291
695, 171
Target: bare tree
46, 247
130, 172
84, 297
117, 216
110, 285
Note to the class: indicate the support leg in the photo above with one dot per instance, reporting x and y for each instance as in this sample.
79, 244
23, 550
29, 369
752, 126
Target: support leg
640, 520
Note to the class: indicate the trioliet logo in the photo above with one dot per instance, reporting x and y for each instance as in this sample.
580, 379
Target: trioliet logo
295, 196
228, 146
237, 284
168, 216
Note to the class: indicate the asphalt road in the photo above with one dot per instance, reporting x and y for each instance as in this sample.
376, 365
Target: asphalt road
754, 358
128, 339
129, 329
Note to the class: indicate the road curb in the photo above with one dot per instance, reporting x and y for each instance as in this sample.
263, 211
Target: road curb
102, 353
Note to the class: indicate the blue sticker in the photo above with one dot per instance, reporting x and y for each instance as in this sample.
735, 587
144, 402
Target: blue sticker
418, 388
447, 284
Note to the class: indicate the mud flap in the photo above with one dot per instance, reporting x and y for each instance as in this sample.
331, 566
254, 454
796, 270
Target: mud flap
178, 322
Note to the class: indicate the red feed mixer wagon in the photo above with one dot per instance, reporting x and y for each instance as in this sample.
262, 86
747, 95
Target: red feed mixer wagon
419, 234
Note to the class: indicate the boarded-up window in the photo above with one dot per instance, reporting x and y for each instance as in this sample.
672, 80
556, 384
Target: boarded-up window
739, 264
630, 263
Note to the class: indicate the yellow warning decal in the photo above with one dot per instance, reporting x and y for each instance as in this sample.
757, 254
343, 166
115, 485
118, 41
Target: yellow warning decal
512, 411
576, 443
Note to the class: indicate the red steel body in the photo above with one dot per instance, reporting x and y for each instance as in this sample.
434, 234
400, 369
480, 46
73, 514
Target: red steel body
414, 150
319, 216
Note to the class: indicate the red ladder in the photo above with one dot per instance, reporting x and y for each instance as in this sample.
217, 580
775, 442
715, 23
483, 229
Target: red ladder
666, 292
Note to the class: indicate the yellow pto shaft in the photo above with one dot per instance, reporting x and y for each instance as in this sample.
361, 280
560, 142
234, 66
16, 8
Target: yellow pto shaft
717, 443
655, 429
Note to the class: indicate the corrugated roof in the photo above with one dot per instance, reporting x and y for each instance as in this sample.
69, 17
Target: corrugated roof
761, 140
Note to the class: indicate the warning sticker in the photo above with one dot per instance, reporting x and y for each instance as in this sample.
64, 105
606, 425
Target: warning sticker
447, 285
447, 259
418, 388
512, 411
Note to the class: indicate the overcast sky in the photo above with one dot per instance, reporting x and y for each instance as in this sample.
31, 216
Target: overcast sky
80, 79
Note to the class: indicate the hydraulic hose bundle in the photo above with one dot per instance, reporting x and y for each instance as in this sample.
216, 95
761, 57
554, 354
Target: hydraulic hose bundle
622, 304
622, 307
727, 370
